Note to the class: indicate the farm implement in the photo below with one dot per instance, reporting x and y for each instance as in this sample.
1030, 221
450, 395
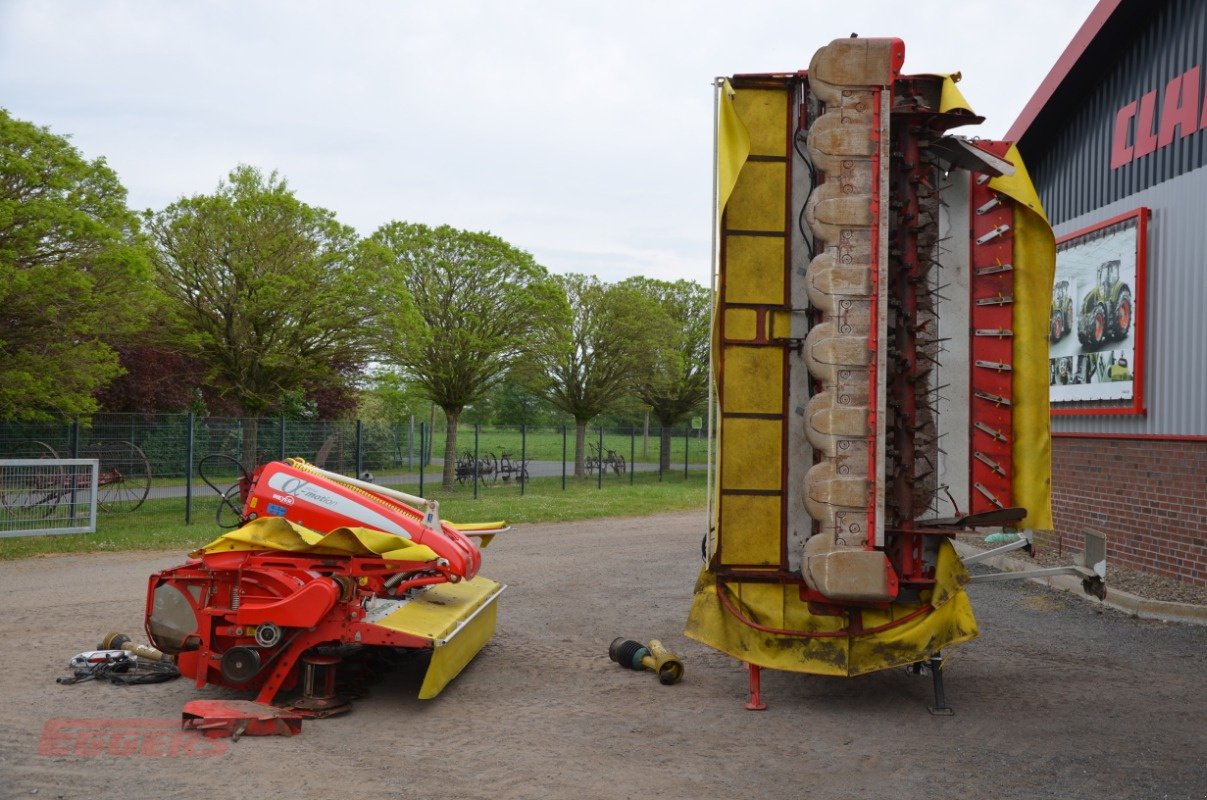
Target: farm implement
323, 572
883, 312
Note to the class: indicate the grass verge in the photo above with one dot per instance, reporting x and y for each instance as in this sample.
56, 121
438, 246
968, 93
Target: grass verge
159, 524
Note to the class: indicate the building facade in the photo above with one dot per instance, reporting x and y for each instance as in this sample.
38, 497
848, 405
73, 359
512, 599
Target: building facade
1115, 139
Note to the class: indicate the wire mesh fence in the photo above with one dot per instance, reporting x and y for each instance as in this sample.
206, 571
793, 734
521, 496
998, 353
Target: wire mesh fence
47, 495
146, 458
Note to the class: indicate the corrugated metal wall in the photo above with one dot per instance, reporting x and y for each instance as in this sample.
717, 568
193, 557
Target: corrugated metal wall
1175, 349
1071, 165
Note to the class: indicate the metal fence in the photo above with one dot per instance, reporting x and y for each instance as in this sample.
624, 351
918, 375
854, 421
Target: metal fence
147, 458
43, 495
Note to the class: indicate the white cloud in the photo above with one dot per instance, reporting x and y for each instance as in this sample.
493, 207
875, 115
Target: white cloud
578, 131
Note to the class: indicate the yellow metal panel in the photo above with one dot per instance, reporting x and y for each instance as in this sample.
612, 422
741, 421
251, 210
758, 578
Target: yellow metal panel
752, 450
781, 325
764, 112
754, 269
458, 618
757, 202
453, 656
437, 612
741, 323
752, 528
753, 380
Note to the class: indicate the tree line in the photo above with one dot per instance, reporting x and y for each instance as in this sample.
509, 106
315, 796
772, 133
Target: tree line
249, 301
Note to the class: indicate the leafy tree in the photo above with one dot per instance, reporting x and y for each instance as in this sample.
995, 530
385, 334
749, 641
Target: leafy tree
391, 397
157, 378
470, 306
74, 277
611, 346
269, 293
516, 404
679, 384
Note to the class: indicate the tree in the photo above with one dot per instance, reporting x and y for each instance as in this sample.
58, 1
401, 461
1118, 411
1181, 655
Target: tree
391, 397
469, 307
610, 346
517, 404
157, 378
74, 276
679, 385
270, 294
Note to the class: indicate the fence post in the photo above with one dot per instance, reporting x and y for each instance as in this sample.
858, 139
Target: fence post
411, 444
360, 450
477, 430
422, 451
632, 454
188, 470
563, 458
600, 465
668, 455
75, 453
687, 442
523, 455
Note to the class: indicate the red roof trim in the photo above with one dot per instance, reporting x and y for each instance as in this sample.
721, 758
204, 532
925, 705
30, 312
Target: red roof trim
1064, 65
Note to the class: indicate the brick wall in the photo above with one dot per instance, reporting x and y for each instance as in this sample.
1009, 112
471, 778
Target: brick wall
1148, 497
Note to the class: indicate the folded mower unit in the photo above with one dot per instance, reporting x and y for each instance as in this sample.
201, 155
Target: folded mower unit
323, 566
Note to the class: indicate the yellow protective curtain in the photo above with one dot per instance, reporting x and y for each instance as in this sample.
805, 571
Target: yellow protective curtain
278, 533
733, 146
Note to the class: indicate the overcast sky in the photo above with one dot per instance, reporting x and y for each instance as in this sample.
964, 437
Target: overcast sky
579, 131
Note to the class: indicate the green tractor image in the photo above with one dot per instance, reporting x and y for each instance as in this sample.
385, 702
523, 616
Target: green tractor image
1062, 312
1106, 312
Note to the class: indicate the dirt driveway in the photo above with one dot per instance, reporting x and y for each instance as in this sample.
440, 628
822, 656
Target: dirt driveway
1056, 699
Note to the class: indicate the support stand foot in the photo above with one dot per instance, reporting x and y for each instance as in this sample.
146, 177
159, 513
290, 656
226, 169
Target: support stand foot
940, 708
755, 703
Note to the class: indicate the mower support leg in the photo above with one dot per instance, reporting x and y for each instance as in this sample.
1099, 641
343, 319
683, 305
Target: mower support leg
940, 708
755, 703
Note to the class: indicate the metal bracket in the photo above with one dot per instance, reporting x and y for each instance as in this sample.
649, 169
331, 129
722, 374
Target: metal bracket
1023, 543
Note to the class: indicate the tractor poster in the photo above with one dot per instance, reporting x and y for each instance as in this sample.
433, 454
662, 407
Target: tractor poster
1093, 325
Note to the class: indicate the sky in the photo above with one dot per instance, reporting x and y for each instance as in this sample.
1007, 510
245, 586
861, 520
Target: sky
580, 132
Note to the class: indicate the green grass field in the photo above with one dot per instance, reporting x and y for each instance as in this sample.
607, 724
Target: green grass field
159, 525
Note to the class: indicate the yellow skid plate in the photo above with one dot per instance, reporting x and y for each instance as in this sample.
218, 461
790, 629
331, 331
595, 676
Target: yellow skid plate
457, 618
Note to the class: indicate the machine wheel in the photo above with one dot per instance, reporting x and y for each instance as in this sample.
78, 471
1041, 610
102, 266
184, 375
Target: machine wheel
32, 493
1098, 325
124, 479
1121, 320
1057, 329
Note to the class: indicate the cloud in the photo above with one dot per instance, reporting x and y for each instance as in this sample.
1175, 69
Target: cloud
578, 131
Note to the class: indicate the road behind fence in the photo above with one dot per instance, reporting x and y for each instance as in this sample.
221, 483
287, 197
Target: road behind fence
160, 457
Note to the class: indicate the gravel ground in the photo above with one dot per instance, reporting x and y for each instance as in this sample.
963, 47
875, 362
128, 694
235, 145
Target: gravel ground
1126, 579
1057, 698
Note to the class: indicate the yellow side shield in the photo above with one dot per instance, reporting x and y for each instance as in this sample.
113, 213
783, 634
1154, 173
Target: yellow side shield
457, 618
766, 624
